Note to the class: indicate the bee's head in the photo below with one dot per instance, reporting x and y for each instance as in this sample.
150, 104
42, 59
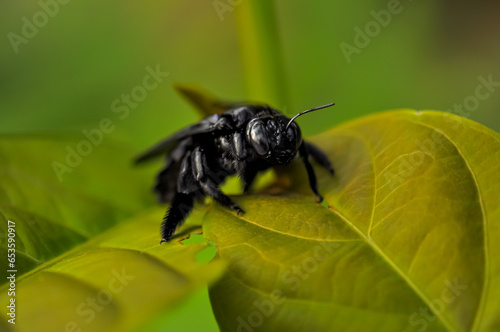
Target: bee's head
276, 138
273, 140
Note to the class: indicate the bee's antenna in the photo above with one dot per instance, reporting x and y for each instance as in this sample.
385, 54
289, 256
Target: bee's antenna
302, 113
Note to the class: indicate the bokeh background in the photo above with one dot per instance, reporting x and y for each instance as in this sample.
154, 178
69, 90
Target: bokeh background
66, 76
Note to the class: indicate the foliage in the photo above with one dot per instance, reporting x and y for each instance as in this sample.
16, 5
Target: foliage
407, 241
75, 254
411, 209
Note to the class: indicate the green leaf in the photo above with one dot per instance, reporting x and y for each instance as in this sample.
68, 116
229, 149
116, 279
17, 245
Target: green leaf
116, 282
79, 266
58, 197
408, 241
203, 101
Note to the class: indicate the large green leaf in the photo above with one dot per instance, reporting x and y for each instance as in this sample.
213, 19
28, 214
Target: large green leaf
118, 281
56, 208
78, 264
409, 241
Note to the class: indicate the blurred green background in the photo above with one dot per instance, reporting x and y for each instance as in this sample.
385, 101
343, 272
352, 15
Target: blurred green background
67, 74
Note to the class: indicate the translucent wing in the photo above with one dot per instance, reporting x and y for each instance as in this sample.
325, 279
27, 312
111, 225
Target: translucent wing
206, 126
207, 105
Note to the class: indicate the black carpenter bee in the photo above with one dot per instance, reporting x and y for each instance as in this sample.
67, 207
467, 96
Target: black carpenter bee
241, 141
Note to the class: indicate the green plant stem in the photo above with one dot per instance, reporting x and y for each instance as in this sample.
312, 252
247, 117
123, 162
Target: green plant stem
261, 56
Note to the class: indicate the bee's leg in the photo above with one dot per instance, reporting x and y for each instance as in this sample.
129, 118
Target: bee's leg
165, 187
238, 147
185, 189
319, 156
166, 180
238, 150
248, 177
310, 171
186, 183
181, 206
246, 172
251, 171
210, 188
210, 184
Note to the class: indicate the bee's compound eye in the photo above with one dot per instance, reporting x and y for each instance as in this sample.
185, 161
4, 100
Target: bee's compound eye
257, 136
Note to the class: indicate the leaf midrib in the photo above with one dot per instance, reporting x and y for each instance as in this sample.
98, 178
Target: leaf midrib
486, 282
370, 242
362, 238
284, 233
382, 255
374, 246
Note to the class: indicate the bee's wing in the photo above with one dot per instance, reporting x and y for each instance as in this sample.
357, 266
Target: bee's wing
167, 145
203, 101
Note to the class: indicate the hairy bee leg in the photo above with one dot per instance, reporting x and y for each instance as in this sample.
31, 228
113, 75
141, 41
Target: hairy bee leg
310, 171
209, 184
319, 156
186, 183
180, 208
211, 189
